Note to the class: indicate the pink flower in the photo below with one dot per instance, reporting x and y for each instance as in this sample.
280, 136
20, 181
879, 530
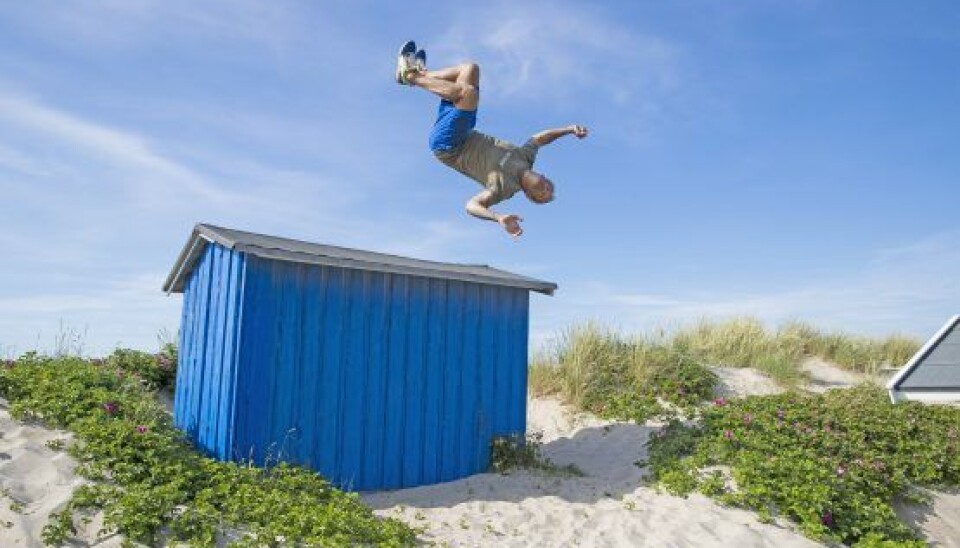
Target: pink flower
720, 402
747, 419
826, 518
142, 429
111, 408
728, 434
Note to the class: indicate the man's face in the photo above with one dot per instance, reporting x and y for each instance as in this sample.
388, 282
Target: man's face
541, 191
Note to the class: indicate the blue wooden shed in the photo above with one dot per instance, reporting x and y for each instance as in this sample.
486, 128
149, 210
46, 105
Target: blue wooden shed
377, 371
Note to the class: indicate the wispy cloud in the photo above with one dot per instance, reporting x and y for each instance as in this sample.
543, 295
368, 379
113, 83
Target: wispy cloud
106, 145
557, 50
910, 289
100, 212
117, 24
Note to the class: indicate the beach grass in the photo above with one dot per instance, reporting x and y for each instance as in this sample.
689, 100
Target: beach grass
587, 360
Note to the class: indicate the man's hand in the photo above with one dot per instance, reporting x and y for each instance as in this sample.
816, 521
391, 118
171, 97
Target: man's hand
548, 136
511, 223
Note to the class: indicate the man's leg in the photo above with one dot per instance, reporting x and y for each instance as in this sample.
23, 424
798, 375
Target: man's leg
459, 84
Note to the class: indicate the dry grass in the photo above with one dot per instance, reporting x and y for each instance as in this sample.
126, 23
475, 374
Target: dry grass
589, 361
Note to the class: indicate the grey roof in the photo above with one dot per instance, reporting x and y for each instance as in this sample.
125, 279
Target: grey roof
936, 366
285, 249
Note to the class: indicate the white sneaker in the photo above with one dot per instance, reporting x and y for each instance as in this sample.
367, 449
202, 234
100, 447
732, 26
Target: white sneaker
406, 61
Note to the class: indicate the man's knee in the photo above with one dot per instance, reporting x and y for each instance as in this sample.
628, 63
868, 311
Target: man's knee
470, 73
469, 97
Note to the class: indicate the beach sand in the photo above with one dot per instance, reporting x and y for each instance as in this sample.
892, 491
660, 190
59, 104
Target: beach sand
608, 506
37, 480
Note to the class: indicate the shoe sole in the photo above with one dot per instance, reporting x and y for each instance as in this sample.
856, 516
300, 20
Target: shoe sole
408, 48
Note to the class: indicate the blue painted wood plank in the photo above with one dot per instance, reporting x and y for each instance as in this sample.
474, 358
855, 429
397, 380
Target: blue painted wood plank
232, 353
522, 315
255, 365
452, 369
198, 373
414, 383
331, 372
260, 363
504, 367
470, 417
187, 327
354, 380
394, 417
486, 371
312, 361
433, 380
375, 405
221, 385
212, 358
283, 427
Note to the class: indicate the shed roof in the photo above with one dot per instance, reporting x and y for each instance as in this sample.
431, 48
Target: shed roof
285, 249
936, 366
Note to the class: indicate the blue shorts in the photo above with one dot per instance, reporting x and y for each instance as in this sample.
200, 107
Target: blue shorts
452, 127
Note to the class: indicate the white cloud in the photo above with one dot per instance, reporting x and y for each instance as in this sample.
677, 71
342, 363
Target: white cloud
121, 24
910, 289
555, 50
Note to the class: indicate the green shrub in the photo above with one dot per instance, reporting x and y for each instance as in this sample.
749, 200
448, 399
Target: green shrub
150, 481
155, 370
834, 463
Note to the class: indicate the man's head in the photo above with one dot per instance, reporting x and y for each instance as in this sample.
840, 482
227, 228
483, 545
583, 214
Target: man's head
538, 188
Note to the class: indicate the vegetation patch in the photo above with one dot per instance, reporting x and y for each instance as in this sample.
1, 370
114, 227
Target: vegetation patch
516, 452
614, 377
154, 487
598, 370
833, 463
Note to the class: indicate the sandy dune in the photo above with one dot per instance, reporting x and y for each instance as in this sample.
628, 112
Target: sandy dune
608, 506
36, 480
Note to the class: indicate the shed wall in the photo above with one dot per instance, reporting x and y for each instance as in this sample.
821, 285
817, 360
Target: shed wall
206, 372
378, 380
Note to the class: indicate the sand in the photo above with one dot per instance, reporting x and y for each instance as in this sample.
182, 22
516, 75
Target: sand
608, 506
39, 480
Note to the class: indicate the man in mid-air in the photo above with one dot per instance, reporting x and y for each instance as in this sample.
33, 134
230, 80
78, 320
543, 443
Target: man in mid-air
501, 167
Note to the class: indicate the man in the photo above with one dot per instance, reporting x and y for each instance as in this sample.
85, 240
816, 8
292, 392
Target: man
502, 168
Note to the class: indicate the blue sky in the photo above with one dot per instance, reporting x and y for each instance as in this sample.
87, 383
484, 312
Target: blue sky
787, 160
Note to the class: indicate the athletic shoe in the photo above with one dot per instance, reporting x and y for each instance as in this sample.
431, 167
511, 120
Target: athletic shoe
421, 58
406, 61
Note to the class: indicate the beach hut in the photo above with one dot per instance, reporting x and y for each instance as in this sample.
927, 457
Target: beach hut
933, 373
377, 371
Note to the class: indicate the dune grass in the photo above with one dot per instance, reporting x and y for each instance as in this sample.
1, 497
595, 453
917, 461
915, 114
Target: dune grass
589, 363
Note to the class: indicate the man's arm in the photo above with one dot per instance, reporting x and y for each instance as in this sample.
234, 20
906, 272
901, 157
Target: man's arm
548, 136
478, 206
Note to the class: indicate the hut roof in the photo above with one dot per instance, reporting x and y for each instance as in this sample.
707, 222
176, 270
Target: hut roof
286, 249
